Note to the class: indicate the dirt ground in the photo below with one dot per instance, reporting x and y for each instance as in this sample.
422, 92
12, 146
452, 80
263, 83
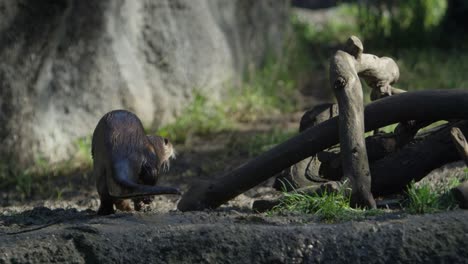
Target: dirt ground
65, 229
229, 236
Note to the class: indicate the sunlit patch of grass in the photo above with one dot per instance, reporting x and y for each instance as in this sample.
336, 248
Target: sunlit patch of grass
424, 199
334, 206
273, 88
329, 207
267, 92
201, 117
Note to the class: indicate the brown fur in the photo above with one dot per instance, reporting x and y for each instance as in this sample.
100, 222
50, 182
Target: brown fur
127, 162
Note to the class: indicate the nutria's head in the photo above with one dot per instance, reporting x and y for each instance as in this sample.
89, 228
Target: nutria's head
163, 149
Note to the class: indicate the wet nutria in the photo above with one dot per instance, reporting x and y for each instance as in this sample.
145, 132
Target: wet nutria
127, 162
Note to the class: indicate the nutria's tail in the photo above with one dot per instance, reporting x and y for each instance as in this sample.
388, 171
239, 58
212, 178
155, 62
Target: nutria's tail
122, 186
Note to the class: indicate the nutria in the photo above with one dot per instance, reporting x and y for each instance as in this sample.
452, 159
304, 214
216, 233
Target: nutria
127, 162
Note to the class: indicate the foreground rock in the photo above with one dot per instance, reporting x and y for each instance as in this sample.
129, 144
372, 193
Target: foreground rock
231, 237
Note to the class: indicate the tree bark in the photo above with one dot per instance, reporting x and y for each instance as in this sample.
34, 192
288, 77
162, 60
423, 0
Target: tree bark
379, 73
392, 168
348, 91
414, 161
420, 105
461, 192
306, 172
460, 143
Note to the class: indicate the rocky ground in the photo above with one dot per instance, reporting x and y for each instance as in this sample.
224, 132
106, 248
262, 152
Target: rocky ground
229, 236
65, 228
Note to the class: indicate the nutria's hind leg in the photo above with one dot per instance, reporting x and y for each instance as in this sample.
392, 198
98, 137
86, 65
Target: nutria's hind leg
123, 205
106, 207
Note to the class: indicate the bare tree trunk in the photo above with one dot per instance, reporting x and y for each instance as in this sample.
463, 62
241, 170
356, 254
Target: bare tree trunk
379, 73
420, 105
348, 91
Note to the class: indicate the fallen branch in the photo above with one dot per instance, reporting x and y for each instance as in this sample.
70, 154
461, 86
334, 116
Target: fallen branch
420, 105
393, 166
306, 172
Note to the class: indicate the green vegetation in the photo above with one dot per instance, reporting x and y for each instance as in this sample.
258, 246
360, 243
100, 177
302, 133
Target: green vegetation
409, 31
432, 69
43, 173
426, 199
334, 207
329, 207
201, 117
270, 90
83, 155
412, 23
422, 199
332, 32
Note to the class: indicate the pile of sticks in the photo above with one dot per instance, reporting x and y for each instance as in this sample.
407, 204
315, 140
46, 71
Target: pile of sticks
377, 165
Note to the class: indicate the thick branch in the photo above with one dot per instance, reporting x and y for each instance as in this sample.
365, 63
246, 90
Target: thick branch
422, 105
413, 162
306, 172
348, 91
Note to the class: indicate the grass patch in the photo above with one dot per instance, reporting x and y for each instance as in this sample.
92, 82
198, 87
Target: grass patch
270, 90
201, 117
38, 179
424, 199
83, 155
332, 207
329, 207
432, 69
